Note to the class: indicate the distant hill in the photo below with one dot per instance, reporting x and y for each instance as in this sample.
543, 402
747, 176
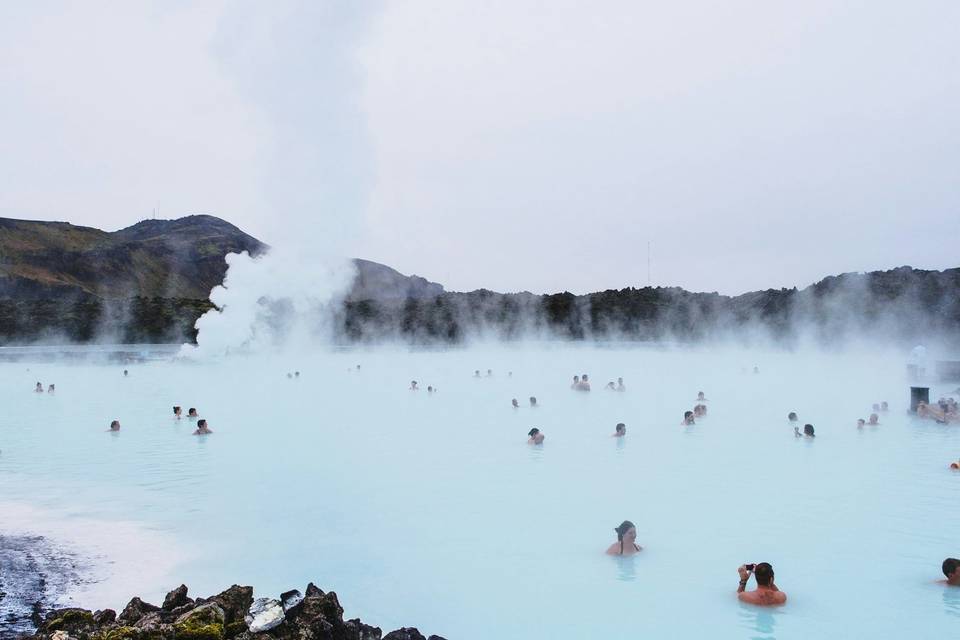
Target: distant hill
150, 282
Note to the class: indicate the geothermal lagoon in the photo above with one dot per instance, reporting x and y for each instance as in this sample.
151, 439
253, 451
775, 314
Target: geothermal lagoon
431, 510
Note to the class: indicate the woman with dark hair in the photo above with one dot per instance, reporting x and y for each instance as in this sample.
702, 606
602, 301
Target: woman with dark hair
626, 544
535, 436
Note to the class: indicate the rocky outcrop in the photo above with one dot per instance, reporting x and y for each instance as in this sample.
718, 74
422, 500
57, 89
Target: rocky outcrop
230, 615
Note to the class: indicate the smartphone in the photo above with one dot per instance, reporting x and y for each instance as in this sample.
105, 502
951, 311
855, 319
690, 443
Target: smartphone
749, 567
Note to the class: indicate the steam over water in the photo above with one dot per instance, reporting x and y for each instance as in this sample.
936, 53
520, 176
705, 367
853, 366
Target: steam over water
431, 511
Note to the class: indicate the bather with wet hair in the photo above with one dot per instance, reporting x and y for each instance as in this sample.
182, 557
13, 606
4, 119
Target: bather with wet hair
626, 544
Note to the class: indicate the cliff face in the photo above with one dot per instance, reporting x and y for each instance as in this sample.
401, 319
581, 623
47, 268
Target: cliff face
150, 282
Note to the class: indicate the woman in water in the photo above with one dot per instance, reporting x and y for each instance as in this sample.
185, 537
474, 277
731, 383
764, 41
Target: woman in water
202, 428
39, 387
621, 430
516, 405
688, 418
177, 412
115, 425
52, 388
626, 544
535, 436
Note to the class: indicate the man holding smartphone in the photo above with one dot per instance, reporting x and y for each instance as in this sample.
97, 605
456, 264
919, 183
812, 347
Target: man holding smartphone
766, 593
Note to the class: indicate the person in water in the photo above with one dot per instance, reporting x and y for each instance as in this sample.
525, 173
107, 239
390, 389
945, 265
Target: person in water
489, 373
701, 397
476, 374
626, 544
38, 388
792, 417
876, 407
620, 386
884, 406
688, 418
177, 412
766, 593
951, 569
874, 419
955, 466
289, 376
429, 389
51, 389
516, 405
535, 437
698, 411
533, 401
610, 386
192, 413
807, 431
584, 383
575, 385
115, 425
202, 428
413, 386
860, 423
296, 374
621, 430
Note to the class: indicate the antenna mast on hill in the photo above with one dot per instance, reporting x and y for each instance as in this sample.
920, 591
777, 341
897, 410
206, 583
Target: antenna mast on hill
648, 263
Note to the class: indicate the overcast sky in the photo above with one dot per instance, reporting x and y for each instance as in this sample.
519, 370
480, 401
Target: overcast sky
513, 145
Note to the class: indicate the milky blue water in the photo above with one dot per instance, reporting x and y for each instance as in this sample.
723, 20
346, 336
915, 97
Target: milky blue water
432, 511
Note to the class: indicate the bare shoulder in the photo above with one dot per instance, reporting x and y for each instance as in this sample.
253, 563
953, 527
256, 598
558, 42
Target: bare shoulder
614, 549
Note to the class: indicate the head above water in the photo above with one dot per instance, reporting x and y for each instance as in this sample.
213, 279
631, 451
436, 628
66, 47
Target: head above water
763, 572
533, 401
792, 416
808, 430
584, 377
115, 425
515, 403
884, 406
626, 530
949, 568
533, 432
621, 428
861, 422
202, 424
700, 395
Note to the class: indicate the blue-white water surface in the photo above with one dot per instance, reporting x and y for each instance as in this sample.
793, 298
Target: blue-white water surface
432, 511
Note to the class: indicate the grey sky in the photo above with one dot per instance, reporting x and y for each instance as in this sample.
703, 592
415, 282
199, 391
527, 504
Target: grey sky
506, 144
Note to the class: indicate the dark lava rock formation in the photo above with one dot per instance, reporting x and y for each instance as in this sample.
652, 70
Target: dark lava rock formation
225, 616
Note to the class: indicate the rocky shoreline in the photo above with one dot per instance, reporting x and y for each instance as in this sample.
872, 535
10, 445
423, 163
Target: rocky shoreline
233, 614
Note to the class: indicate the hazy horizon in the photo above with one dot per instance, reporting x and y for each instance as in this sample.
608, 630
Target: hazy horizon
503, 146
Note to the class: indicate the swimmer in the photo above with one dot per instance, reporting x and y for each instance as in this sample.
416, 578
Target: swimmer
358, 367
688, 418
125, 373
296, 374
413, 386
535, 436
489, 373
533, 401
884, 406
115, 425
874, 420
620, 386
951, 569
756, 369
792, 417
860, 423
429, 389
289, 376
807, 431
516, 405
610, 386
192, 413
621, 430
701, 397
699, 411
584, 383
575, 385
766, 593
509, 374
177, 412
38, 388
955, 466
202, 428
51, 389
876, 407
626, 544
476, 374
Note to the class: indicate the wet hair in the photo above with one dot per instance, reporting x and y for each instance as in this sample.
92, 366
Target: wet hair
808, 430
583, 377
115, 423
192, 410
533, 432
574, 377
620, 426
687, 414
429, 387
949, 566
792, 416
413, 382
533, 399
177, 409
514, 402
861, 421
763, 572
625, 526
202, 423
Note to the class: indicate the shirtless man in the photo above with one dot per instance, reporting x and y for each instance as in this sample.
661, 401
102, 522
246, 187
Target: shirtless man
766, 593
951, 569
202, 428
535, 436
